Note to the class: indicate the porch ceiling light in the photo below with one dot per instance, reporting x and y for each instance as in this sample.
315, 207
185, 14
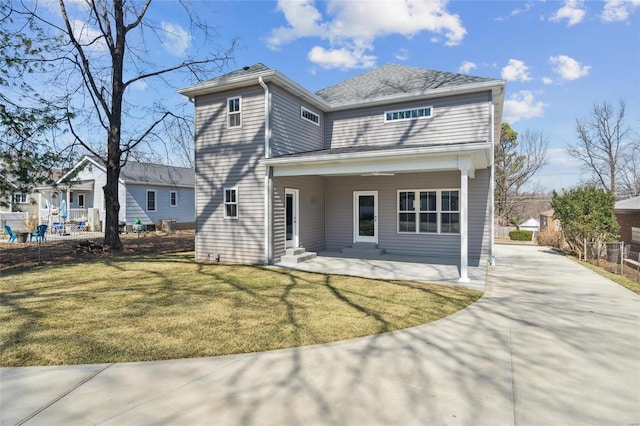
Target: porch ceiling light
378, 174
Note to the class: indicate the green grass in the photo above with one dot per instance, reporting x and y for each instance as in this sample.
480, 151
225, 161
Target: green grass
169, 306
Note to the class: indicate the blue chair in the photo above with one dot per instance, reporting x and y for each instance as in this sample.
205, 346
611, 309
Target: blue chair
40, 233
58, 228
12, 236
81, 226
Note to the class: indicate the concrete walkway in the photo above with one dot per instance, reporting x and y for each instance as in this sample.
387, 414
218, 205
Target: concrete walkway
550, 343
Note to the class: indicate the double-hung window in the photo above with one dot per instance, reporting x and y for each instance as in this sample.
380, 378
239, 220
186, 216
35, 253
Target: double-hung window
231, 203
234, 112
19, 198
173, 198
151, 200
428, 211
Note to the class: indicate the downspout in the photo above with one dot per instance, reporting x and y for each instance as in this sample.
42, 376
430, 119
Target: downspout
492, 188
267, 171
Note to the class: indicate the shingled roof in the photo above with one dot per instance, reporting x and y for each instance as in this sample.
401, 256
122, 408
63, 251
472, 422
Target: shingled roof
151, 173
393, 80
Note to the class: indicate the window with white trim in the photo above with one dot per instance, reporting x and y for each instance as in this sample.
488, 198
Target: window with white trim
19, 198
173, 198
429, 211
151, 200
408, 114
309, 115
234, 112
231, 203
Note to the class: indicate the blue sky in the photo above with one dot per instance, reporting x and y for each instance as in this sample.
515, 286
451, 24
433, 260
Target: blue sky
558, 57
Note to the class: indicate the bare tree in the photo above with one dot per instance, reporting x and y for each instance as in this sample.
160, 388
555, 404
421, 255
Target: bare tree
602, 140
104, 48
630, 175
517, 159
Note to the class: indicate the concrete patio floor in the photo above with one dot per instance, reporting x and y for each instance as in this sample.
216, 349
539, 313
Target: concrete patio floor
393, 267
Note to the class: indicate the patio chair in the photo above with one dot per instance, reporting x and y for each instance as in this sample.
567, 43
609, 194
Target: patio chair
81, 226
58, 228
39, 234
12, 236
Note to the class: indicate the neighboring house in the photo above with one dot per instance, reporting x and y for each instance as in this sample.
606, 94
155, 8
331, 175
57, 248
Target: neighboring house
397, 159
548, 223
149, 192
628, 217
530, 225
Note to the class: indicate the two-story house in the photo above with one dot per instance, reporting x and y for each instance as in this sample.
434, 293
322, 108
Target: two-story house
398, 159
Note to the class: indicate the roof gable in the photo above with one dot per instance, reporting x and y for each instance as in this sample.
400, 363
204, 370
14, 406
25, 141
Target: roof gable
140, 173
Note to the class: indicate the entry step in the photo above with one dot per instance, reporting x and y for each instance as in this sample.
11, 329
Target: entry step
294, 256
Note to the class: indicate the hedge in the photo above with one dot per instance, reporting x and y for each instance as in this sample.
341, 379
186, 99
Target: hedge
521, 235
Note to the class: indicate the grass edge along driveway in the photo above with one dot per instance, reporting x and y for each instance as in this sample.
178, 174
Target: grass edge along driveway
170, 306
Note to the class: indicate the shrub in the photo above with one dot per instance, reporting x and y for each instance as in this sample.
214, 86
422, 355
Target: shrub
521, 235
550, 239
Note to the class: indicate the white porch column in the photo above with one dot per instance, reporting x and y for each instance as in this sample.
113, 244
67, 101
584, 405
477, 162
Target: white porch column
464, 217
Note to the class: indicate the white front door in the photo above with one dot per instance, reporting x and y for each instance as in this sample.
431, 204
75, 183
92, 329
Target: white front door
291, 209
365, 216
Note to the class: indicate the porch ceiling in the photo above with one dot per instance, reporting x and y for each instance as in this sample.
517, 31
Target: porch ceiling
471, 156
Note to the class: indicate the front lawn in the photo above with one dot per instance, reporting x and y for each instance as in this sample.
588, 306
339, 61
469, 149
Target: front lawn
169, 306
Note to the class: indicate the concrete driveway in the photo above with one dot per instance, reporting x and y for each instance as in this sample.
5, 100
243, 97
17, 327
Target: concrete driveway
550, 343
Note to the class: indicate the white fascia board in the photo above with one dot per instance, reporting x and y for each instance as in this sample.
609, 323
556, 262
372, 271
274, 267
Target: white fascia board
405, 152
252, 79
163, 184
398, 164
85, 159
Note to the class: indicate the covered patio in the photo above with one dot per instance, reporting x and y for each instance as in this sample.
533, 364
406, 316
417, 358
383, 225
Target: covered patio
393, 267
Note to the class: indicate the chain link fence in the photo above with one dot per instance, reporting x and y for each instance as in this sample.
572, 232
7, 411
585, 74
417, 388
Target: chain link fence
616, 258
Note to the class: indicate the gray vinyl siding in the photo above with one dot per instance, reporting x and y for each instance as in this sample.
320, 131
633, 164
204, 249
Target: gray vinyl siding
339, 214
290, 132
228, 158
456, 119
311, 215
136, 202
479, 217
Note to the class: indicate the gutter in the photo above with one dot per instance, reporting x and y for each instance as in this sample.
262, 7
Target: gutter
267, 171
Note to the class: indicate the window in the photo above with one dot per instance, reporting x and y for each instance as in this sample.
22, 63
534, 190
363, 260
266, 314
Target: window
310, 116
408, 114
234, 112
231, 203
428, 211
450, 223
19, 198
151, 200
173, 198
635, 234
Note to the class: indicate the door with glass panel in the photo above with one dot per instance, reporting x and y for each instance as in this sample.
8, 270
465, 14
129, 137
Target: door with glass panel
365, 216
291, 218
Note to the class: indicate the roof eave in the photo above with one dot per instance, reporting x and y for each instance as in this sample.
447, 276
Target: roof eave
404, 152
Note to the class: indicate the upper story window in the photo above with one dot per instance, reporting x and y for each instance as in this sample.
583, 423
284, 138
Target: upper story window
310, 116
231, 203
234, 112
429, 211
19, 198
151, 200
409, 114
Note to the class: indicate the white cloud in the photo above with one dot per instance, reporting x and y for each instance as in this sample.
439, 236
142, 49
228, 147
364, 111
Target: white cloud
466, 67
568, 68
522, 105
547, 80
139, 85
515, 12
618, 10
402, 54
354, 25
87, 36
516, 70
340, 58
176, 39
572, 11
